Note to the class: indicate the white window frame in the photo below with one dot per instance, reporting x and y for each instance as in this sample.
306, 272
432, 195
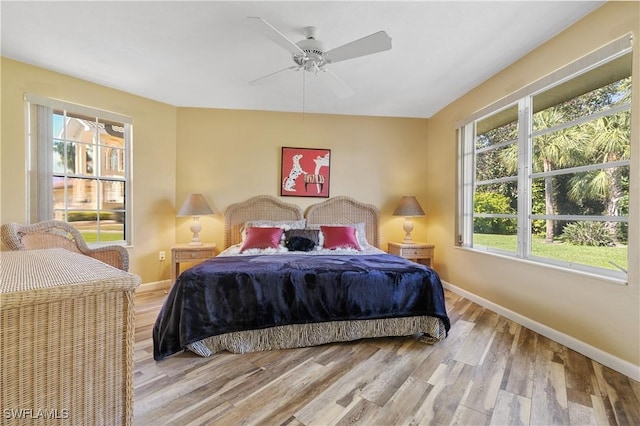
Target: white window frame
466, 131
39, 158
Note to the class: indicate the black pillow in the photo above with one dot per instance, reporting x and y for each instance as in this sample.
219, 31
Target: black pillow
312, 234
296, 243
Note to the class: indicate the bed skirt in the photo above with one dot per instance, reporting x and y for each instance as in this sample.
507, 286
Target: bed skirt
430, 329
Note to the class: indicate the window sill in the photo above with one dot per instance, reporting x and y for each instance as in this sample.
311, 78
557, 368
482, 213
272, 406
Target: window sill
600, 277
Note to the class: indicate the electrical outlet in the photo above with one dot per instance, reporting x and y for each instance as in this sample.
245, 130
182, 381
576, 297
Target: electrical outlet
162, 256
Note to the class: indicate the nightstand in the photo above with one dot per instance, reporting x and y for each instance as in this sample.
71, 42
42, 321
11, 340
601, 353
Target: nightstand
188, 253
418, 252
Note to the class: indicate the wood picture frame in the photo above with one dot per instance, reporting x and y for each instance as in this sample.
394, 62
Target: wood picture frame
305, 172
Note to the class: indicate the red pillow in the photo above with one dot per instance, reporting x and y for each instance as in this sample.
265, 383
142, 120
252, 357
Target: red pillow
261, 238
336, 237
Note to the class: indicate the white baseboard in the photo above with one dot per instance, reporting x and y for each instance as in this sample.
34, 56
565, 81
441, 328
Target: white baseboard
153, 286
604, 358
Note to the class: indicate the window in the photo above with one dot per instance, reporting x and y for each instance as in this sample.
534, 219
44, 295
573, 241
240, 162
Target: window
80, 169
544, 176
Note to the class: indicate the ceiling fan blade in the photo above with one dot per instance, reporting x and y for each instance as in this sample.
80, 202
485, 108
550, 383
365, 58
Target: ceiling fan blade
334, 83
374, 43
276, 36
268, 76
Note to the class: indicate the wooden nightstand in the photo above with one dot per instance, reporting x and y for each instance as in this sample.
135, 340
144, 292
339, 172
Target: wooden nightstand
418, 252
189, 253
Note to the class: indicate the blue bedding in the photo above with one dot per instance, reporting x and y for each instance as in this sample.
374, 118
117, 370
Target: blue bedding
238, 293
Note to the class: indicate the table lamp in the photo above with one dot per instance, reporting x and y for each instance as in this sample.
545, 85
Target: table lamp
408, 207
195, 205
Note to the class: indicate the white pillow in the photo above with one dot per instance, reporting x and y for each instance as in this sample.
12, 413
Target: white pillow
251, 251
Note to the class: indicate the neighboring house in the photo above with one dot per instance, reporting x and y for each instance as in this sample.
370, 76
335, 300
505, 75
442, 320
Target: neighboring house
81, 159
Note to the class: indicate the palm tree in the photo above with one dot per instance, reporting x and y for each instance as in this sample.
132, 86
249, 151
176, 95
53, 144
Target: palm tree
610, 143
550, 151
603, 140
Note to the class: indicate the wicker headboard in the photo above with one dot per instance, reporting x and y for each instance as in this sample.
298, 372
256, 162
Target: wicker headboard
336, 210
260, 207
344, 210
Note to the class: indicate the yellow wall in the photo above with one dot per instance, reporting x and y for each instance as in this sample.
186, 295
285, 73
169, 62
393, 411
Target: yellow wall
233, 155
154, 174
601, 313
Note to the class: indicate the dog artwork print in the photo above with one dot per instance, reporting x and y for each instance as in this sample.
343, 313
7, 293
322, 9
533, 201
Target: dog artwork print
289, 183
305, 172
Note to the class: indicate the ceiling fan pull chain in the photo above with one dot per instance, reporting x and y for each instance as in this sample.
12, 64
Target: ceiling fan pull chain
304, 85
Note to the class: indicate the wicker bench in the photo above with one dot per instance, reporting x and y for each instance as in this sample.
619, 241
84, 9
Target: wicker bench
66, 339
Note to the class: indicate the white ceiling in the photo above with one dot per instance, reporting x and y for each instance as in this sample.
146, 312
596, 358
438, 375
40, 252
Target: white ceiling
204, 53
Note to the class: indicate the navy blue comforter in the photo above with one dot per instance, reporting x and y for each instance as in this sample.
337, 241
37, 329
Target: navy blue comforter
238, 293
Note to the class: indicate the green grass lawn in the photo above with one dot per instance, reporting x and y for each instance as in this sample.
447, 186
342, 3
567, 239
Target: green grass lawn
105, 237
108, 233
585, 255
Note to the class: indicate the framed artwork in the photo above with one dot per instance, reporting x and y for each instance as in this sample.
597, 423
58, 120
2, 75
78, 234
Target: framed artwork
304, 172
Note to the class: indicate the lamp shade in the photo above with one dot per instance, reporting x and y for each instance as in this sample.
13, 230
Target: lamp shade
195, 205
408, 206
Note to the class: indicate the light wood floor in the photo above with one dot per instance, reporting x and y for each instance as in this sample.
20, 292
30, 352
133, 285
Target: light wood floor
489, 370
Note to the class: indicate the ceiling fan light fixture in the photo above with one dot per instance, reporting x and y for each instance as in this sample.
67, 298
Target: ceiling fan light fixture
313, 57
309, 54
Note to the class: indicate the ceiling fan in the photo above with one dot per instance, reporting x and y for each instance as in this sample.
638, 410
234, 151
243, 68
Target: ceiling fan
309, 54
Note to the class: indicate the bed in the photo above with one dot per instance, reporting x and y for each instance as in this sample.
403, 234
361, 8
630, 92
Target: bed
247, 300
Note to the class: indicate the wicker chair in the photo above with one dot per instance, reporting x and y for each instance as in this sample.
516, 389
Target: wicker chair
55, 233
